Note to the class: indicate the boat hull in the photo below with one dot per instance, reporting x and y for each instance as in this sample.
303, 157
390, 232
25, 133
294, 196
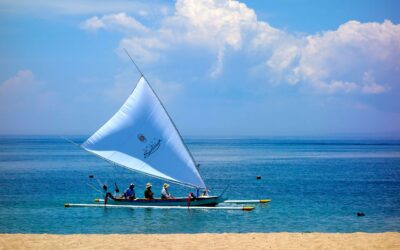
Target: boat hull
208, 201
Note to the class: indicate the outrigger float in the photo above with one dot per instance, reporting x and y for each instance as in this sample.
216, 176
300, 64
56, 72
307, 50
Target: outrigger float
244, 208
142, 137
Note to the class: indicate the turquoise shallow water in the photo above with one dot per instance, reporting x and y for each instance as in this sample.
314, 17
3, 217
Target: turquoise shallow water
315, 185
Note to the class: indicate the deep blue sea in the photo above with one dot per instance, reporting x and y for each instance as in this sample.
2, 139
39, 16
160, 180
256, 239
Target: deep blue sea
315, 185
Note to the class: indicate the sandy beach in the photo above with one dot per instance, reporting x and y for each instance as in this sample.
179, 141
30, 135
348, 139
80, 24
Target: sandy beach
203, 241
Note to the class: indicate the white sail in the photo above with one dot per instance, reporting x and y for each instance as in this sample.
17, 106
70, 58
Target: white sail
142, 137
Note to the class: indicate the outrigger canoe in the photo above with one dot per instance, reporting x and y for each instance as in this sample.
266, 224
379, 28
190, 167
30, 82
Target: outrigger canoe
208, 201
142, 137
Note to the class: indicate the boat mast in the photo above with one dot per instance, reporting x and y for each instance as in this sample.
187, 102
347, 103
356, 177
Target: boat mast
137, 68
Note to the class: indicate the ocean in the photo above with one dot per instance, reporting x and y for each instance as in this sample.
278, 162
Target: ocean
316, 185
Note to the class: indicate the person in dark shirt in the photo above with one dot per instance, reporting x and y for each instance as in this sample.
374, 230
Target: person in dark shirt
130, 192
148, 194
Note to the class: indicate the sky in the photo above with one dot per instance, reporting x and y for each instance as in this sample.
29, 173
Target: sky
222, 68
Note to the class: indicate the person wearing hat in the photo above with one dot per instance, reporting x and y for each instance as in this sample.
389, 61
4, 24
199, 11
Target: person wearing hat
165, 193
130, 192
148, 194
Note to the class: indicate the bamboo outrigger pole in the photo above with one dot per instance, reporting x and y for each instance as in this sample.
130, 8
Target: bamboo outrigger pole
244, 208
247, 201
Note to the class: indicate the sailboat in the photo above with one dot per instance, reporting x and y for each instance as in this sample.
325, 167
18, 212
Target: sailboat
142, 137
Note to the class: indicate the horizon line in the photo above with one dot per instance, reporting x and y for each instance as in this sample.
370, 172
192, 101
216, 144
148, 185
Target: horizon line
360, 136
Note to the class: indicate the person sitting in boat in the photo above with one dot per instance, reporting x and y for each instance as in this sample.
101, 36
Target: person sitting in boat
148, 194
165, 193
130, 192
204, 193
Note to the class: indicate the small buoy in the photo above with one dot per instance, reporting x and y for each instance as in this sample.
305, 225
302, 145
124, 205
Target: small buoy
258, 177
360, 214
91, 176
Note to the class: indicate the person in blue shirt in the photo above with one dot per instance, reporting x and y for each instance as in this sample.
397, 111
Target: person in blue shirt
130, 192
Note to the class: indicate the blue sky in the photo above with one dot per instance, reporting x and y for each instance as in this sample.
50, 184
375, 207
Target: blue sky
222, 68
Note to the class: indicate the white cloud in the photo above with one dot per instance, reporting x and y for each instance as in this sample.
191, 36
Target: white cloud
23, 102
370, 86
144, 50
373, 88
21, 92
23, 81
24, 93
216, 71
120, 22
347, 55
93, 23
331, 61
166, 90
213, 23
143, 13
335, 86
218, 25
125, 81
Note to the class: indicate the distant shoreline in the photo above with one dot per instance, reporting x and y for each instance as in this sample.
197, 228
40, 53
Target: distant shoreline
387, 240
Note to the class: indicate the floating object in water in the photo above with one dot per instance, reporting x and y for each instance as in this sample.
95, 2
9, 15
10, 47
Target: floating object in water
91, 176
244, 208
360, 214
258, 177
